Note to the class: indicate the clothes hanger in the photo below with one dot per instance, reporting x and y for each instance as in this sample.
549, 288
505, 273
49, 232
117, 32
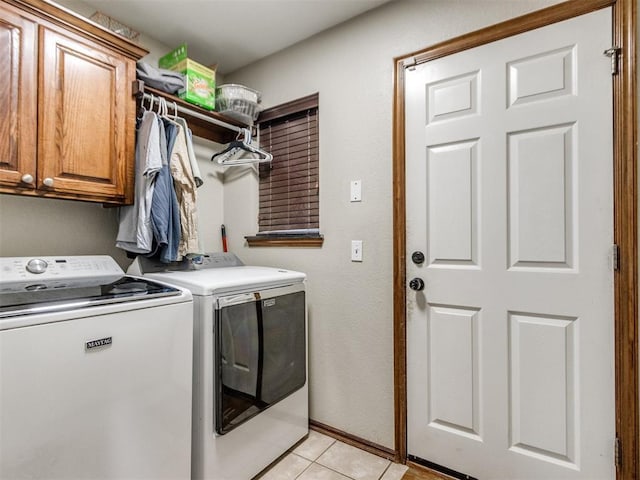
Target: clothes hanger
234, 152
151, 100
158, 101
143, 108
175, 111
165, 112
179, 119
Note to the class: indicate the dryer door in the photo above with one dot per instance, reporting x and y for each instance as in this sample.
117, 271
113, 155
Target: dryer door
260, 352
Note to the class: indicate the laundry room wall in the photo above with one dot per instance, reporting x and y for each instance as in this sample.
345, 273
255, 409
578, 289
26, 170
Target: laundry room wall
350, 304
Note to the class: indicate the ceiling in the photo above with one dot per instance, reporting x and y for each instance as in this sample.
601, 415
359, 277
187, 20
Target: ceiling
232, 33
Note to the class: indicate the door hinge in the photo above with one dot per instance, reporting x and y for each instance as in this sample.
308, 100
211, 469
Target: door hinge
409, 63
618, 453
614, 54
615, 257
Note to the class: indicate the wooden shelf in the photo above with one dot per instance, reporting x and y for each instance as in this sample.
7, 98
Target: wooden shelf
199, 127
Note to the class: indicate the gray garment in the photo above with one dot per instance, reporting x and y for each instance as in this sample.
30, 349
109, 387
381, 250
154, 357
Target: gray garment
160, 78
165, 213
135, 233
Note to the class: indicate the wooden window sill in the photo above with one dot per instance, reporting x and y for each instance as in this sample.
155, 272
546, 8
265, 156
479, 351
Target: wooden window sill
285, 241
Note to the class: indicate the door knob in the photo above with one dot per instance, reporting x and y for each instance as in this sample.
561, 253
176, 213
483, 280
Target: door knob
417, 257
416, 284
48, 182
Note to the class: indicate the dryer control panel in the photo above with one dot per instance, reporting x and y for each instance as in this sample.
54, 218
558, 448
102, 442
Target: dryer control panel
143, 265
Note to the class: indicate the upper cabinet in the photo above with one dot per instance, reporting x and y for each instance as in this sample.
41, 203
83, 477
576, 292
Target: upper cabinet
67, 112
18, 96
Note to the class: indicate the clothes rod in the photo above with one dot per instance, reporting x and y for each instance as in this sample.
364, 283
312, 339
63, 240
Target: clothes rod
193, 113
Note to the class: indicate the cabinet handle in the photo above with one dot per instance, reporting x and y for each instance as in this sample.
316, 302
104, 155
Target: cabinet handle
26, 178
48, 182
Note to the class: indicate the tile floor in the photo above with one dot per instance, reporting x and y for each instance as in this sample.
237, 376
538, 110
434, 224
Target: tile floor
321, 457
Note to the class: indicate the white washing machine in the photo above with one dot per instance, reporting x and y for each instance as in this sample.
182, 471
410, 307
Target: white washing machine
250, 394
95, 372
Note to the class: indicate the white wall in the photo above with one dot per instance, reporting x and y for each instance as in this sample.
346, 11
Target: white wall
350, 304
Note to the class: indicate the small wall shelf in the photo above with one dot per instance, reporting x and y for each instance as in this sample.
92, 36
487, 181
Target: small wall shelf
203, 123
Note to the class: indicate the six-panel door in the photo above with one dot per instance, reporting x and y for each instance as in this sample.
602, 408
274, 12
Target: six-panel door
509, 196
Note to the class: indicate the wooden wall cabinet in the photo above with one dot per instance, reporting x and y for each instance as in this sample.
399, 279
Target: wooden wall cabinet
67, 113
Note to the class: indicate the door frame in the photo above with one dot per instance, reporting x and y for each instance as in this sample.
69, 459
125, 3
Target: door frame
625, 191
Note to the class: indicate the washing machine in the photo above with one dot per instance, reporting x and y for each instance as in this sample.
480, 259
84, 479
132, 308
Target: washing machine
95, 371
250, 393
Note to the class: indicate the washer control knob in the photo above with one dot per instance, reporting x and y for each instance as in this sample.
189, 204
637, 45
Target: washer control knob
36, 265
417, 257
416, 284
26, 178
48, 182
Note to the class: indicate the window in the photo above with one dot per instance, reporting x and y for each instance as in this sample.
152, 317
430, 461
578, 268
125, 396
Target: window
289, 185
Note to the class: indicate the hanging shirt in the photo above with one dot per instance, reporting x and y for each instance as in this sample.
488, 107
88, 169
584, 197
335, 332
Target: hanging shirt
170, 130
165, 214
185, 187
193, 161
135, 232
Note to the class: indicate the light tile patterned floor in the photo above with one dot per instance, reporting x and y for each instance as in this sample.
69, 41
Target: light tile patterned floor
321, 457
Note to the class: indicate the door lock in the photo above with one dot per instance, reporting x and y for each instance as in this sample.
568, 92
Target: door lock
417, 257
416, 284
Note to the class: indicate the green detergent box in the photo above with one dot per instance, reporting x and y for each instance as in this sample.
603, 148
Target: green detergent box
200, 81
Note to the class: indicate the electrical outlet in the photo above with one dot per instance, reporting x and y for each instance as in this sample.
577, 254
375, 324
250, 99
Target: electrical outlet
356, 191
356, 250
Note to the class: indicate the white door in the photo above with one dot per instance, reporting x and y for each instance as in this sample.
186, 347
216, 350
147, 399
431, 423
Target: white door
509, 197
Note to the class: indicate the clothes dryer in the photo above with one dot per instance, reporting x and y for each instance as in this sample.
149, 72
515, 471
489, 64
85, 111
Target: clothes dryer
250, 394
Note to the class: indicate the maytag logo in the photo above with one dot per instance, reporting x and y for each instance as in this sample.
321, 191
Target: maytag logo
269, 302
101, 342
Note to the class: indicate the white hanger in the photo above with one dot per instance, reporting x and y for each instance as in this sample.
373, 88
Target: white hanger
233, 153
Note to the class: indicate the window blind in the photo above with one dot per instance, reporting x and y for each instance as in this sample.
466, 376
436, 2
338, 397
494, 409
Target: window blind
289, 185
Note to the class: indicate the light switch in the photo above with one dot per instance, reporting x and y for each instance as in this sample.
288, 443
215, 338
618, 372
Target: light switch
356, 190
356, 250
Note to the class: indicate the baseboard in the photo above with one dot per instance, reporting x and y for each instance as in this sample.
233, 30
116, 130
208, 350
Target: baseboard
355, 441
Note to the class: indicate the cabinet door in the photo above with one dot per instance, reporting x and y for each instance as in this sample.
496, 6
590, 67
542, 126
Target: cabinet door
84, 104
18, 99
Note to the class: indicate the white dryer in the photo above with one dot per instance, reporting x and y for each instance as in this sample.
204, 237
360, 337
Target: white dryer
250, 394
